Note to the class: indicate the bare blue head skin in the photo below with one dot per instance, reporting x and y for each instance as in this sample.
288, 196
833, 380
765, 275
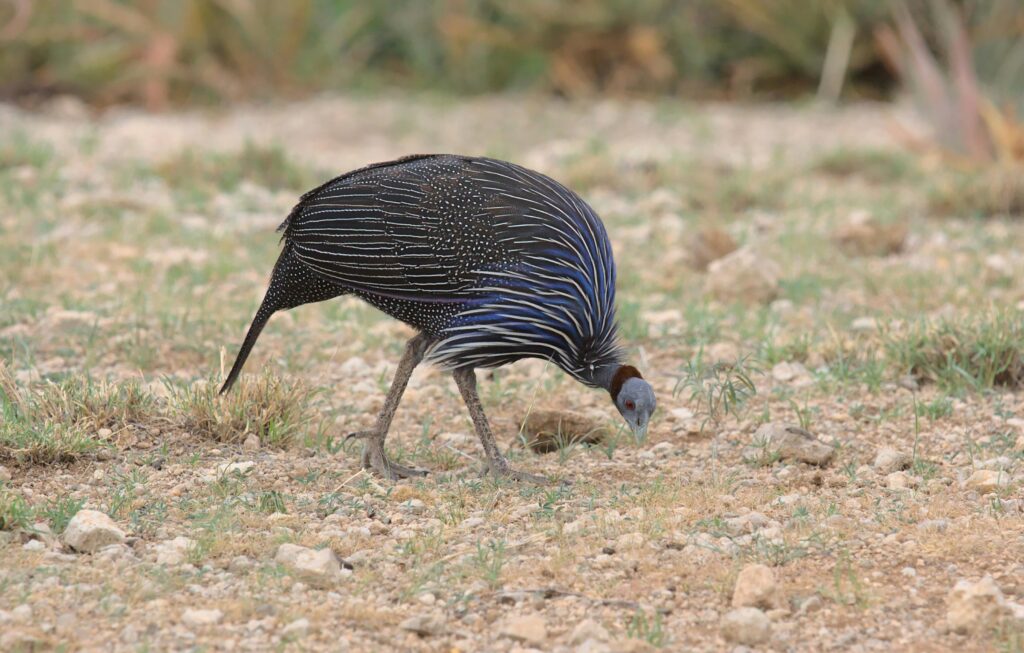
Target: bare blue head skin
634, 398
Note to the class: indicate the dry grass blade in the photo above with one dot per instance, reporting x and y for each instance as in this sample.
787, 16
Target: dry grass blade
273, 408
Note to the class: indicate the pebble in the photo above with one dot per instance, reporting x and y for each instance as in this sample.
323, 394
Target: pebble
747, 626
744, 275
755, 588
251, 443
243, 467
423, 625
789, 442
5, 474
973, 607
413, 507
318, 568
296, 629
91, 530
531, 629
889, 460
173, 552
588, 629
197, 618
987, 480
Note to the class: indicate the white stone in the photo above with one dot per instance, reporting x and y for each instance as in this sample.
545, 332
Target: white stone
243, 467
747, 626
755, 588
531, 628
744, 275
889, 460
413, 506
173, 552
588, 629
900, 481
629, 541
317, 568
34, 545
987, 480
975, 606
789, 441
91, 530
197, 618
423, 624
296, 629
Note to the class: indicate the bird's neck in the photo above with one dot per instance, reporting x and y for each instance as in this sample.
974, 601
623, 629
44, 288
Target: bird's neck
612, 378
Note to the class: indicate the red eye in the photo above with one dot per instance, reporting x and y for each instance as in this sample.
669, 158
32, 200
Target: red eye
630, 404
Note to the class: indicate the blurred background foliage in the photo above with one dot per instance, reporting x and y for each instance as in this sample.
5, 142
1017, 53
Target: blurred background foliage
963, 60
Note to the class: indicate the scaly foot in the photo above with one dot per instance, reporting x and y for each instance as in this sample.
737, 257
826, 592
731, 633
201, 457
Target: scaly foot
375, 459
503, 471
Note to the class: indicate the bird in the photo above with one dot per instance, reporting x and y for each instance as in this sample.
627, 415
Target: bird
489, 262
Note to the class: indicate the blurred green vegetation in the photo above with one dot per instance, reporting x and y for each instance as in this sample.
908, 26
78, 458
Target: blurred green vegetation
164, 51
161, 52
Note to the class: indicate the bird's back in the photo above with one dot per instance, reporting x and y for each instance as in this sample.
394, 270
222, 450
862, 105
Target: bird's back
495, 261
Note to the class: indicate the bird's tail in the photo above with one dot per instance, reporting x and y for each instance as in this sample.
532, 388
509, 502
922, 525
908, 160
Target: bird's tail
292, 284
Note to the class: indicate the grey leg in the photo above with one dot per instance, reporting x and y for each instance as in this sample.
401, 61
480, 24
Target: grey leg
373, 451
497, 465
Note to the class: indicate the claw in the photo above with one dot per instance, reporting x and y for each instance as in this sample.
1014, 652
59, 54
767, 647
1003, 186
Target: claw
375, 459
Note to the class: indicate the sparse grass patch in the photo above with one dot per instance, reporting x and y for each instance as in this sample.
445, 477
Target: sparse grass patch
718, 389
15, 512
976, 354
272, 407
58, 422
263, 165
875, 165
992, 191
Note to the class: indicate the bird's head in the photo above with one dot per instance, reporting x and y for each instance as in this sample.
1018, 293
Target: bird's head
634, 398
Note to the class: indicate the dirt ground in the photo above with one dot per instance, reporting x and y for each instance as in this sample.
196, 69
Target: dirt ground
135, 248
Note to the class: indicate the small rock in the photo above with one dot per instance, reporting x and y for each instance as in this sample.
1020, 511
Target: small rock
34, 545
810, 604
628, 541
240, 564
531, 628
745, 524
987, 480
319, 568
747, 626
252, 443
197, 618
91, 530
413, 507
173, 552
709, 244
755, 588
789, 441
5, 474
900, 481
588, 629
889, 460
744, 275
975, 607
423, 625
551, 430
933, 525
792, 373
719, 353
864, 235
296, 629
243, 467
22, 614
864, 324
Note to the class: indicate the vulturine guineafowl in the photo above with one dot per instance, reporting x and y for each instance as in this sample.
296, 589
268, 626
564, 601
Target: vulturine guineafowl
489, 261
